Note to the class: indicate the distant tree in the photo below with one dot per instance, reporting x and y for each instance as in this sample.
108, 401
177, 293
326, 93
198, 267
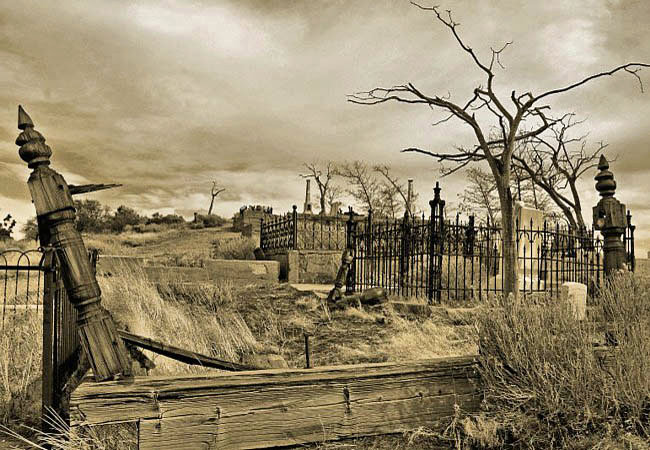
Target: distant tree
323, 178
92, 216
554, 164
124, 216
393, 188
30, 229
7, 227
213, 193
480, 197
334, 192
362, 184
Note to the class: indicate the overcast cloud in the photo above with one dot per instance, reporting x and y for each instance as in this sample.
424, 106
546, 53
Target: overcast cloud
165, 96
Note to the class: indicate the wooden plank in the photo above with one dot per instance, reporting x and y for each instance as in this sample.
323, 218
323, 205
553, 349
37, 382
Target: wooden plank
180, 354
84, 188
281, 407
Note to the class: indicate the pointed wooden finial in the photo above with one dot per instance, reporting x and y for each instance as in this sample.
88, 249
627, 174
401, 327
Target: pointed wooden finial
24, 120
605, 183
33, 149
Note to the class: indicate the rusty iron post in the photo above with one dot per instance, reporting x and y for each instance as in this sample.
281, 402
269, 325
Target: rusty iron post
56, 215
610, 219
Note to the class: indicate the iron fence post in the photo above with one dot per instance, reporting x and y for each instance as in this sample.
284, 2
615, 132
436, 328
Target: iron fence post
351, 244
439, 240
368, 264
294, 218
631, 228
431, 253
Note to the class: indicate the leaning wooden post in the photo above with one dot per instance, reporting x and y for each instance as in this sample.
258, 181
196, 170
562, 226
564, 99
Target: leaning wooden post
609, 217
56, 213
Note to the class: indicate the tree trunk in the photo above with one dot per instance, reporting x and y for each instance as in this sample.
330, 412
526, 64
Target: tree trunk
211, 204
509, 242
577, 207
322, 204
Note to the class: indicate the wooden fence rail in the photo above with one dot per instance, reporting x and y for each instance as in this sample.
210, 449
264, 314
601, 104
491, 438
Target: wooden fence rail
280, 407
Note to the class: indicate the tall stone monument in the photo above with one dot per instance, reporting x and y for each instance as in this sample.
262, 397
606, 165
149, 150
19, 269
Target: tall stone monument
307, 207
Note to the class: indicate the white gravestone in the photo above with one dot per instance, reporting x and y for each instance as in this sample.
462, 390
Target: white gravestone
575, 294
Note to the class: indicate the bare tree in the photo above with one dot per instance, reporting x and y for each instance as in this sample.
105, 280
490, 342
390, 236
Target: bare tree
479, 194
323, 178
334, 192
392, 188
214, 192
527, 117
555, 164
362, 184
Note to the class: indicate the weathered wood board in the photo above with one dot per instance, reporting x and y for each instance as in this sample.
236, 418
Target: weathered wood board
280, 407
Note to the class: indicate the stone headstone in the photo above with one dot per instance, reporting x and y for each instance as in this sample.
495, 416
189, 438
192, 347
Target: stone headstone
529, 247
575, 294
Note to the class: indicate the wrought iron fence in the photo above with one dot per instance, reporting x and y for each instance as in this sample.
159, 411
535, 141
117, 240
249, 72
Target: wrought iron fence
32, 283
22, 281
443, 259
295, 231
279, 233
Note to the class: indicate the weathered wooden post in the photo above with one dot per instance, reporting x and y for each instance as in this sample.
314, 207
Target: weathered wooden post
56, 214
609, 217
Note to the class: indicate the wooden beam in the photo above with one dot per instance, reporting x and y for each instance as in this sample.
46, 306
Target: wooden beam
282, 407
84, 188
180, 354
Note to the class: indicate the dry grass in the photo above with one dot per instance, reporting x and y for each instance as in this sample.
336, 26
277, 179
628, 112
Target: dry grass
20, 368
190, 321
545, 386
235, 248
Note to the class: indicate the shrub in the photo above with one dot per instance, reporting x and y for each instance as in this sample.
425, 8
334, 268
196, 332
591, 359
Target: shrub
124, 216
169, 219
92, 216
237, 248
7, 227
210, 221
546, 385
30, 229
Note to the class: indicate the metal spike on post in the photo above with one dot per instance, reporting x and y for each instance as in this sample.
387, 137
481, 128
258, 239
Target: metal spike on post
56, 214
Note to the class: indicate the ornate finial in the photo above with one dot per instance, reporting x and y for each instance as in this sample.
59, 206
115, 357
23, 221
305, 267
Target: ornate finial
24, 120
33, 149
605, 183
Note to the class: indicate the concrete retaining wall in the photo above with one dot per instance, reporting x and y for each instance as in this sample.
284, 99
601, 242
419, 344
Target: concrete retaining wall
213, 270
308, 266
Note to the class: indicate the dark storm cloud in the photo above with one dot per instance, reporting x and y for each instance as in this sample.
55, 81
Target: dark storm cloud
165, 97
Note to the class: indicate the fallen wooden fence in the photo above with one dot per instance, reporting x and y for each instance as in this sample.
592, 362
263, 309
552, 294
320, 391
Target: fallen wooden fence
179, 354
280, 407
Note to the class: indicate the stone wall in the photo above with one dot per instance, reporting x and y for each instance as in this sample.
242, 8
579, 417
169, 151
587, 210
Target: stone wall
251, 215
308, 266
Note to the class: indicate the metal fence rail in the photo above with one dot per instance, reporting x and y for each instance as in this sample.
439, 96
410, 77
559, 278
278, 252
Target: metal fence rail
21, 282
294, 231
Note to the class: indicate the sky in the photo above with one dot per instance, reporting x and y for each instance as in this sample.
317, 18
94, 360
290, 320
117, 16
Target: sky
167, 96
